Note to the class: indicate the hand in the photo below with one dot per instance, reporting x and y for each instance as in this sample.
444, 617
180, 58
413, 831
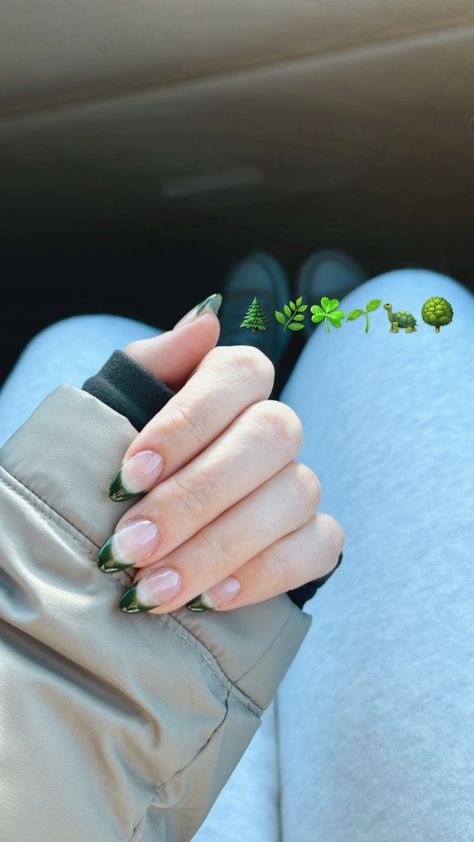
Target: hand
229, 517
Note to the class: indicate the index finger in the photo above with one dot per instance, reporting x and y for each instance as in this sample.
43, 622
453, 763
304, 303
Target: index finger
226, 381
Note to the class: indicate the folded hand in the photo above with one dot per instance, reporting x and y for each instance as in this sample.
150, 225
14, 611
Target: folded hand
226, 516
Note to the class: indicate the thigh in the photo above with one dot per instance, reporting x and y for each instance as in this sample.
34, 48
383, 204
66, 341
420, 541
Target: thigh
67, 351
375, 726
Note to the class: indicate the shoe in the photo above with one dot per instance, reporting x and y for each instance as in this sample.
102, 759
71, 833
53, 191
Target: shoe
261, 276
328, 273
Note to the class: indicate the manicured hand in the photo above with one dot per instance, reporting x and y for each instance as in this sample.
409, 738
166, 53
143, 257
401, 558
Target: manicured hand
226, 516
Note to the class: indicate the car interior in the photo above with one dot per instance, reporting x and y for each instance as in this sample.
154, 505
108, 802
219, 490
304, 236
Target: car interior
145, 147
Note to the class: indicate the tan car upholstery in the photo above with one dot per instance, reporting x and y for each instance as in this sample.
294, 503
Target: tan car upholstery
328, 122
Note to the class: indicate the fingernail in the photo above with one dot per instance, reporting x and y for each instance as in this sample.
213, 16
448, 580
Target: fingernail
151, 591
125, 547
216, 597
136, 475
212, 302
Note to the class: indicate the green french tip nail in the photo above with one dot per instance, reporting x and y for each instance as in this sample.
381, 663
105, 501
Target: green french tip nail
196, 605
213, 301
106, 560
130, 604
117, 490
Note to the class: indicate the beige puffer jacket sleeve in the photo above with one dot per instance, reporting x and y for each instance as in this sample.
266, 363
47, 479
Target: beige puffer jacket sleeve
112, 727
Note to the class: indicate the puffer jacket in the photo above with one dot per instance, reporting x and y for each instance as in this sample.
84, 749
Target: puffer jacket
112, 727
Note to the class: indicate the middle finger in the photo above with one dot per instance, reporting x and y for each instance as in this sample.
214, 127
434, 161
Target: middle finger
226, 381
261, 441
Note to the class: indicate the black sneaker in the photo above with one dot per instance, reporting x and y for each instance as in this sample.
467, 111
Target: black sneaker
261, 276
328, 273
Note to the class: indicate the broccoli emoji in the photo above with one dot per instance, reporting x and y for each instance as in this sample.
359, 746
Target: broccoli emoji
436, 312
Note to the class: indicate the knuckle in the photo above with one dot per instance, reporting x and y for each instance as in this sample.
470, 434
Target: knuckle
254, 363
280, 568
218, 356
307, 487
193, 499
335, 535
248, 363
284, 422
185, 422
215, 552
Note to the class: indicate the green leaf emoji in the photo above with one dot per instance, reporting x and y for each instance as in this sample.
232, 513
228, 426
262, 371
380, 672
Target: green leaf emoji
294, 313
372, 305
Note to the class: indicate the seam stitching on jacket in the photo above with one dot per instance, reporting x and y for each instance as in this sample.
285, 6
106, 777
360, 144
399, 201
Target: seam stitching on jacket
200, 749
139, 822
32, 498
183, 769
240, 697
210, 737
46, 510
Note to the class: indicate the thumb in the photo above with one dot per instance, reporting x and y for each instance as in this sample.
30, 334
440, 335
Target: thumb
173, 355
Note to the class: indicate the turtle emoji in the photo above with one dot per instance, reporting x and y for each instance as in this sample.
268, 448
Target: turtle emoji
402, 319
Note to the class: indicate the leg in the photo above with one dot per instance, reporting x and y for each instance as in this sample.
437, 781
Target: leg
67, 351
375, 726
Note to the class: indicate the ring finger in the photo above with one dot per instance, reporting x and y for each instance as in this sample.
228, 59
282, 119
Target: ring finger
283, 503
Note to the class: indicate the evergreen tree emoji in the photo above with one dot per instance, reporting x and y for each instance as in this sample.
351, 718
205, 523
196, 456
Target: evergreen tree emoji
255, 317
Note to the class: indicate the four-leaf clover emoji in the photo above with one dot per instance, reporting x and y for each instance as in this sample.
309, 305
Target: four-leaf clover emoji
328, 311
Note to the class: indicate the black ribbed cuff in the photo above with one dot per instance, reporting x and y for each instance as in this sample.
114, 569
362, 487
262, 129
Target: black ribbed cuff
302, 594
130, 389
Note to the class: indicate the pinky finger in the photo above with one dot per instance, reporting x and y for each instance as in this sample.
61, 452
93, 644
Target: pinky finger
308, 553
